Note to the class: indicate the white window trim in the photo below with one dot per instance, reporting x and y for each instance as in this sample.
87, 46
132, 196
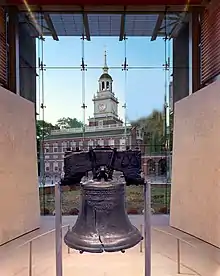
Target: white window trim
64, 146
47, 165
55, 145
101, 142
111, 142
46, 147
122, 144
55, 165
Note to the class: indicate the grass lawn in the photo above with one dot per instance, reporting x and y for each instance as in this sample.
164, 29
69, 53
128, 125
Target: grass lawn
160, 199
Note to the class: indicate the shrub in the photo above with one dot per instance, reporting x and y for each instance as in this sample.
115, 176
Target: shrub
164, 210
74, 212
54, 212
132, 211
45, 211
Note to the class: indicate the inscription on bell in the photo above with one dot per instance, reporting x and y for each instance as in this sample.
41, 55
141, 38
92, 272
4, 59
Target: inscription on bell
102, 206
103, 198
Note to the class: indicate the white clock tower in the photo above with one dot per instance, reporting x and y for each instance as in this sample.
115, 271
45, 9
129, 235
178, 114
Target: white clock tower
105, 102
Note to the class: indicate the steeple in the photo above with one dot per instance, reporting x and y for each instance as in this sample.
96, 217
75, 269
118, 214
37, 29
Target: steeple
105, 80
105, 68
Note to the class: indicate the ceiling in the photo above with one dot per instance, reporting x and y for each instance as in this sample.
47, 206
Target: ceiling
121, 24
107, 2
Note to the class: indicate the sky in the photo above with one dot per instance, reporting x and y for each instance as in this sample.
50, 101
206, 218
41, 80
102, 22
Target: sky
142, 90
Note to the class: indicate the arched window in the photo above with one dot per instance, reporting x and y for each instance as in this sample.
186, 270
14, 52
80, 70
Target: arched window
162, 167
151, 167
107, 85
103, 85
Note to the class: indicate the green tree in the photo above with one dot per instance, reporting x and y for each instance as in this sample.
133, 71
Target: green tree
69, 123
42, 130
153, 126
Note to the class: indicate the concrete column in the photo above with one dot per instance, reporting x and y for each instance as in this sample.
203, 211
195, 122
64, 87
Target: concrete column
190, 54
186, 59
13, 41
194, 50
27, 53
181, 64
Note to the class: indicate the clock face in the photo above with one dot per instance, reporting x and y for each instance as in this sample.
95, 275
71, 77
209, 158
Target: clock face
102, 107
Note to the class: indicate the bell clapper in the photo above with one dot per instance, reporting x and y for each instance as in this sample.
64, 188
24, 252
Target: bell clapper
81, 251
122, 251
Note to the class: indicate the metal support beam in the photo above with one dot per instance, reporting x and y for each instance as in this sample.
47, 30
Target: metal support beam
182, 20
32, 24
157, 26
122, 28
106, 9
51, 26
86, 26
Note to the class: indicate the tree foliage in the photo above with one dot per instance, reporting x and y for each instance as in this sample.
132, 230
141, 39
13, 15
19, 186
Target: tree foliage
69, 123
153, 126
155, 136
44, 128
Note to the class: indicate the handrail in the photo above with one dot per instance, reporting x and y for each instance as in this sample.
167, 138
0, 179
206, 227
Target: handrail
41, 235
178, 248
30, 242
174, 236
178, 239
178, 252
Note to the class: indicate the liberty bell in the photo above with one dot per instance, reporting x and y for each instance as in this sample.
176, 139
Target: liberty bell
102, 223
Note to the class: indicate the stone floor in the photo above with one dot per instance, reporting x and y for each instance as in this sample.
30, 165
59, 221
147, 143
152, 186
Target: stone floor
197, 257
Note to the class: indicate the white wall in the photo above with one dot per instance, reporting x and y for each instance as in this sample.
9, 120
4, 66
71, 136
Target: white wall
19, 199
195, 198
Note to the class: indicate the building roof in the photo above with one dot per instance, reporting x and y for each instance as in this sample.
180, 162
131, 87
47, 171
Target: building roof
55, 135
105, 76
119, 4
